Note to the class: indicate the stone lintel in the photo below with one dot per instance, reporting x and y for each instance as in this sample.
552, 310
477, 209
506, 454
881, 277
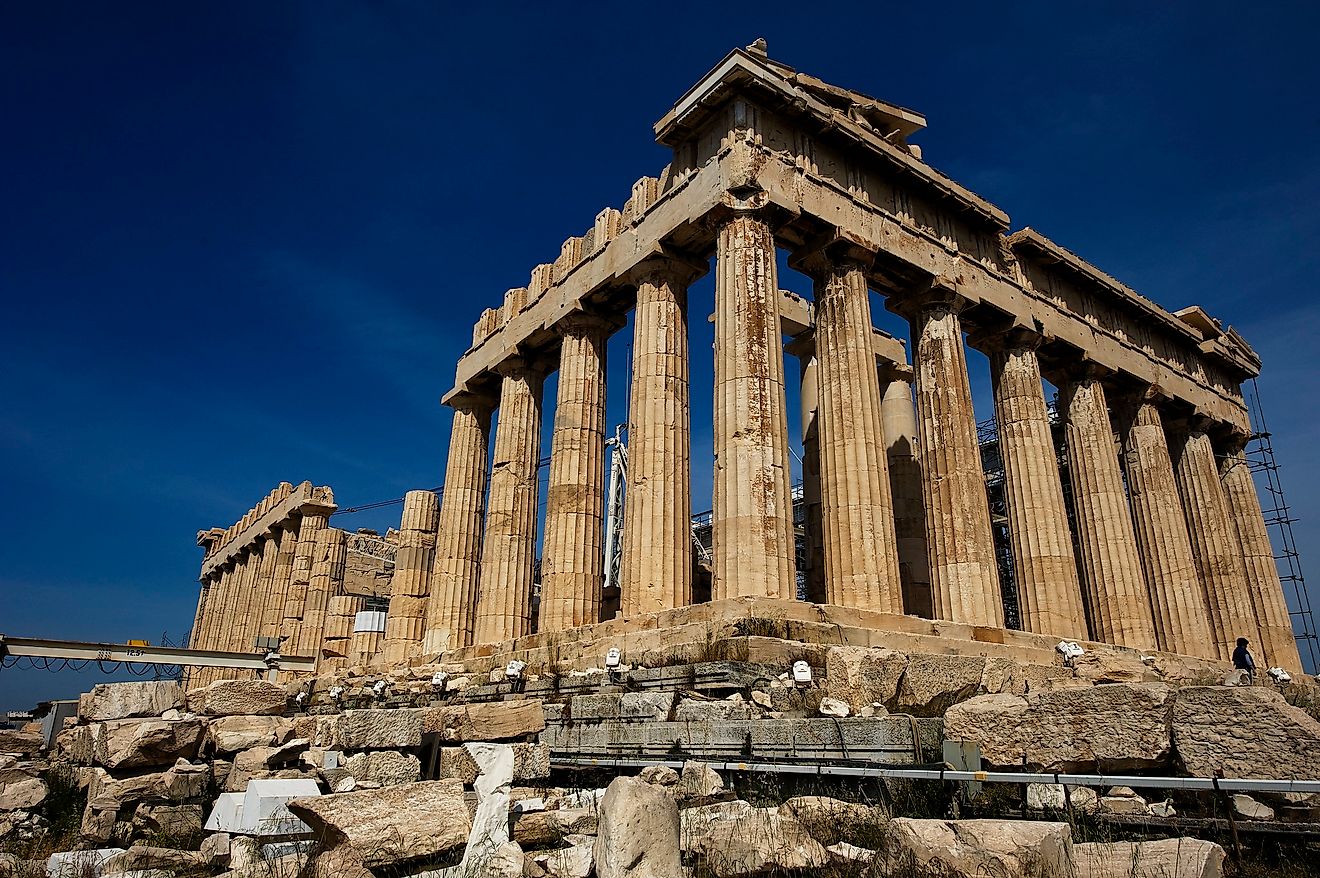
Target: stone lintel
305, 499
688, 202
1193, 324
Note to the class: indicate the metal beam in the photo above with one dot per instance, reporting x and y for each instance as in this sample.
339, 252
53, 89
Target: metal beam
34, 647
1227, 784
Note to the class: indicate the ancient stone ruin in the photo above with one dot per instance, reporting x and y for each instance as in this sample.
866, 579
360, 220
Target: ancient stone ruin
781, 689
1158, 544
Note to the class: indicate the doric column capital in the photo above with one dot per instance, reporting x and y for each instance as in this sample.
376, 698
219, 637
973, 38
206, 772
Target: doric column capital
469, 401
667, 266
1014, 338
519, 367
585, 324
940, 297
1127, 400
1234, 441
1085, 370
832, 251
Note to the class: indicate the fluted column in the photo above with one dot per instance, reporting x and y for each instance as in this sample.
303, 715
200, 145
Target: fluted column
752, 521
1044, 566
337, 642
1278, 643
573, 554
328, 556
296, 601
1214, 538
272, 614
861, 555
1110, 564
236, 639
452, 605
899, 420
264, 594
963, 575
804, 348
504, 596
656, 569
411, 583
1182, 621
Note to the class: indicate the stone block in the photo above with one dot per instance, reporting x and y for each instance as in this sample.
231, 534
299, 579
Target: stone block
861, 675
624, 705
393, 824
759, 841
699, 781
1112, 727
229, 734
79, 864
831, 821
975, 848
489, 721
140, 858
530, 762
535, 829
931, 684
1166, 858
261, 809
638, 832
385, 767
180, 782
139, 743
697, 710
379, 729
20, 791
109, 701
20, 743
238, 698
1245, 732
179, 821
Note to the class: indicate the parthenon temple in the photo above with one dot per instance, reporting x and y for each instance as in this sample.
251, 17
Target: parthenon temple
1130, 515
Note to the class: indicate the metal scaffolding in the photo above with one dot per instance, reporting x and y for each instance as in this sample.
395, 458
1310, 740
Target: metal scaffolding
1279, 521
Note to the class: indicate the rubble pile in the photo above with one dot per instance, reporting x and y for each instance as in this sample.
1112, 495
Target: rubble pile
446, 772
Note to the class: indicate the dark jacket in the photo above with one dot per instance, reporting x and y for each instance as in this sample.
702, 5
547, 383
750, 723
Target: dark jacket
1242, 660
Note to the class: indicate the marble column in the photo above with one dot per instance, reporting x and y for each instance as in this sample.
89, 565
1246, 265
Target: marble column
573, 552
264, 592
1219, 559
1110, 564
804, 348
272, 615
296, 601
861, 555
328, 556
752, 520
899, 420
365, 646
656, 569
1044, 565
964, 577
337, 642
1182, 621
1278, 646
452, 605
249, 563
504, 596
410, 585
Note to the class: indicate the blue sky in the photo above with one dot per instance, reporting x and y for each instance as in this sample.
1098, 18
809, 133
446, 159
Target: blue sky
246, 242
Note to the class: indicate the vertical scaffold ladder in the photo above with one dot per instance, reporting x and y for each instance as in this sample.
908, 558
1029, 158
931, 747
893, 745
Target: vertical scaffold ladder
1279, 521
